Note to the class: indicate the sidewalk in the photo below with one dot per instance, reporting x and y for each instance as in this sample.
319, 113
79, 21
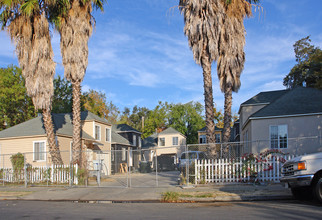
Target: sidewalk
208, 193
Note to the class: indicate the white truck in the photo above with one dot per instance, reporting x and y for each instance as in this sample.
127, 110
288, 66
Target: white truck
304, 176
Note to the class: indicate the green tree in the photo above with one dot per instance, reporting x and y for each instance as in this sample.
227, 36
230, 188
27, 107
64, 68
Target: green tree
96, 103
187, 119
15, 105
308, 70
135, 118
62, 100
157, 119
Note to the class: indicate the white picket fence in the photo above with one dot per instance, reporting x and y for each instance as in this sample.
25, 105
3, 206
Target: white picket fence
57, 174
239, 170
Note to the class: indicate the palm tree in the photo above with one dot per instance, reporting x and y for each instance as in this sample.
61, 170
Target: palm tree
28, 27
203, 21
231, 54
73, 19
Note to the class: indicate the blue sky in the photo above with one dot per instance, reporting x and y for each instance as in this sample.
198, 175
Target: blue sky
138, 54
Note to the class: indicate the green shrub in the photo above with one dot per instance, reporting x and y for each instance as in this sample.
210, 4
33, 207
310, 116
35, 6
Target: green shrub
82, 175
17, 161
170, 197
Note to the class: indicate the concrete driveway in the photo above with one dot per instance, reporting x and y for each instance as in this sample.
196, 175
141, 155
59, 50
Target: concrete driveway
153, 179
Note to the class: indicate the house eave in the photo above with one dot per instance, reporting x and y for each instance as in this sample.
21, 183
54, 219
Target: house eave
137, 132
21, 137
279, 116
285, 116
255, 104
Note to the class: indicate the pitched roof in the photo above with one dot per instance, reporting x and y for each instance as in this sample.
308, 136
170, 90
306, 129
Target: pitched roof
265, 97
89, 116
62, 125
151, 141
118, 139
296, 101
170, 130
204, 129
124, 128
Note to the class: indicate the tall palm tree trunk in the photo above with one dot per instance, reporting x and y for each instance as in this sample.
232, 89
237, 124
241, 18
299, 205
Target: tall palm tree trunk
227, 113
35, 55
209, 104
76, 122
53, 148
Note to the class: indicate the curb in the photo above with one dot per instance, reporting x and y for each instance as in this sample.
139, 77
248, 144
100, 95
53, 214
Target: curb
181, 200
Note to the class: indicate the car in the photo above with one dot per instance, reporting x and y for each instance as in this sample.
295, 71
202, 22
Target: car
189, 156
304, 176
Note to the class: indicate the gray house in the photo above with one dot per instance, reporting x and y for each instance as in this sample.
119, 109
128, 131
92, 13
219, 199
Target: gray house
287, 120
126, 145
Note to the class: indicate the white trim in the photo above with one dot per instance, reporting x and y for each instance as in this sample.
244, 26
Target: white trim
44, 152
129, 131
134, 140
278, 139
278, 116
94, 130
255, 104
109, 135
286, 116
100, 133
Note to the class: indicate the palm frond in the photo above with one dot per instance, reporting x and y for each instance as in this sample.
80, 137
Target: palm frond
30, 7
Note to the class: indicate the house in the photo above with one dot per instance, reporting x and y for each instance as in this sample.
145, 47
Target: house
202, 135
126, 145
287, 120
166, 145
30, 138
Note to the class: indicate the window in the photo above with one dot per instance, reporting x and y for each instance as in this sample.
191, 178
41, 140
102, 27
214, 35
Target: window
97, 133
161, 141
39, 150
175, 141
134, 140
202, 139
113, 153
123, 154
108, 135
217, 137
278, 136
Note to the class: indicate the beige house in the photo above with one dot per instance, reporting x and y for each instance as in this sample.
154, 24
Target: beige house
287, 120
202, 135
169, 142
30, 139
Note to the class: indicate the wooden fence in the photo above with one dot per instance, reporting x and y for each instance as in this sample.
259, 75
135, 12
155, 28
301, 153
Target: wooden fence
238, 170
55, 174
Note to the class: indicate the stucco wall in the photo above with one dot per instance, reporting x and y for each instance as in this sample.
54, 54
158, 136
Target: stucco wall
299, 129
247, 111
169, 148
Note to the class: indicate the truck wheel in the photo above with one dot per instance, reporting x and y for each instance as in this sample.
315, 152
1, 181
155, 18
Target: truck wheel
318, 189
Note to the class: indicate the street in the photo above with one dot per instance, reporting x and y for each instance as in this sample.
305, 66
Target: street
290, 209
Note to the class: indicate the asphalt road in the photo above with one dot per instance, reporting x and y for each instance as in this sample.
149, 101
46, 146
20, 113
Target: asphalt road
226, 210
